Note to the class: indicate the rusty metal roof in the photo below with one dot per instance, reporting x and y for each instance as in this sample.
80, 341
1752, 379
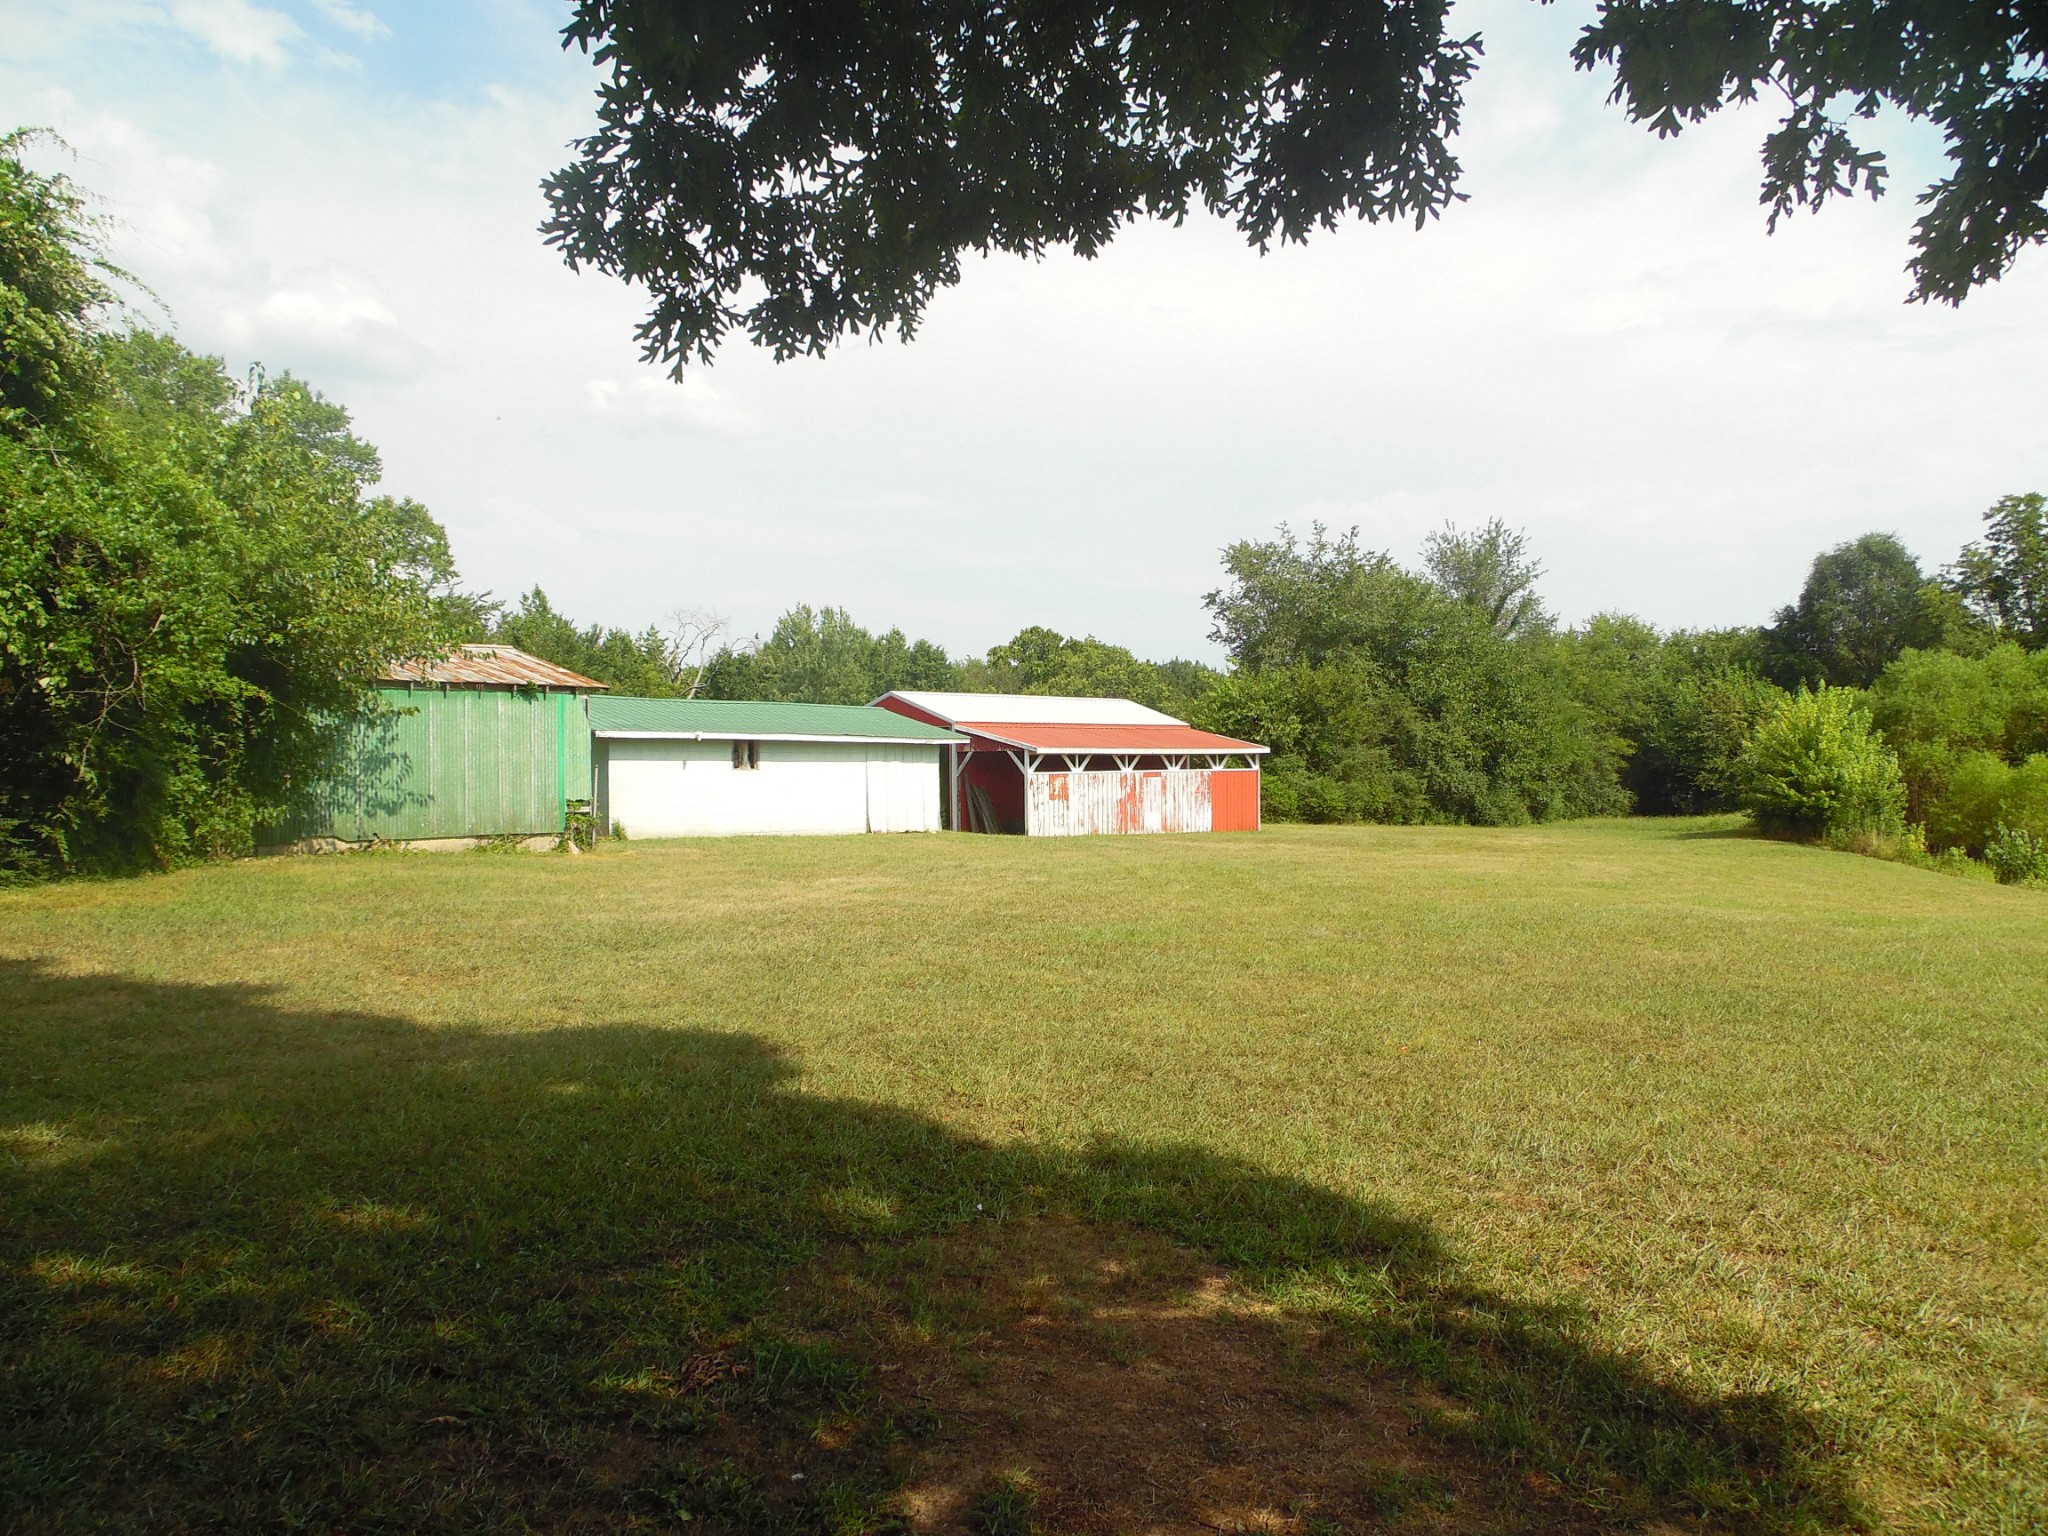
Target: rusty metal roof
1145, 740
488, 666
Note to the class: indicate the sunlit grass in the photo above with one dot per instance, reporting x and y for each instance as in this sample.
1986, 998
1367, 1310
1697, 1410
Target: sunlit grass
1705, 1174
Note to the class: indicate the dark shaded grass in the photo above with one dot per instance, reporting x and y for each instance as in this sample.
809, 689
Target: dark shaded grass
335, 1271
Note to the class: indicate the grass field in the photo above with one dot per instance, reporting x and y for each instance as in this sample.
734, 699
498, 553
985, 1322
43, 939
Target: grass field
1638, 1175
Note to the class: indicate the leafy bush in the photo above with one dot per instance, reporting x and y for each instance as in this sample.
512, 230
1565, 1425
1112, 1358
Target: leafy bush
1690, 735
1813, 768
1984, 792
2016, 855
1938, 710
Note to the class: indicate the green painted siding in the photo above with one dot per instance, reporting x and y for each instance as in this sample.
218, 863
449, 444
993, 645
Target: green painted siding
452, 762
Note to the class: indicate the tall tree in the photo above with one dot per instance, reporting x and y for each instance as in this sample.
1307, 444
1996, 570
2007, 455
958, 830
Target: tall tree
1863, 603
1385, 698
53, 292
806, 169
2003, 579
1491, 570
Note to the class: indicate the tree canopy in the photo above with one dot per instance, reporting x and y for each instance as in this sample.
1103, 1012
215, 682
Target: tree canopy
842, 157
2003, 578
53, 288
1388, 697
822, 656
1864, 602
1041, 660
807, 169
650, 665
1491, 570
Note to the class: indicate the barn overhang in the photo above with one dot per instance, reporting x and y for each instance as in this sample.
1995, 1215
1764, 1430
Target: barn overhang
1065, 766
1177, 746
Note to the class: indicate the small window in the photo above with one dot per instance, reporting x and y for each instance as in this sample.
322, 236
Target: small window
746, 754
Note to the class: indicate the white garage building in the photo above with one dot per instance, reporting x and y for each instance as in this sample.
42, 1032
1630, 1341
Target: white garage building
716, 767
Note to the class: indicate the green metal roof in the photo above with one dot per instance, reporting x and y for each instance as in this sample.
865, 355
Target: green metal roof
749, 719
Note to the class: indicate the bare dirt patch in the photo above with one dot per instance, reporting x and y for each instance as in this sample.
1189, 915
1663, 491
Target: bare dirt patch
1083, 1380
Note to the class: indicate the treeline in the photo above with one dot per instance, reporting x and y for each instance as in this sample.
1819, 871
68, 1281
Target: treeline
822, 656
1885, 708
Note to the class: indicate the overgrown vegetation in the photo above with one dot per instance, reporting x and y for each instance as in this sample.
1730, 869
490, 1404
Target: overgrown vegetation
1566, 1179
1386, 696
196, 584
1812, 768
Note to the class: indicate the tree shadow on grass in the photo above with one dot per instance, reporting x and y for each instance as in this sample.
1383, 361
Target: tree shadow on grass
267, 1268
1744, 830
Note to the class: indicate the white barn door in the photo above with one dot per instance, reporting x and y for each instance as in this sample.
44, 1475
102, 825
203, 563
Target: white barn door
903, 789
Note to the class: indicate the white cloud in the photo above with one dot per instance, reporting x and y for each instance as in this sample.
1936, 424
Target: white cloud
363, 23
326, 326
693, 402
239, 31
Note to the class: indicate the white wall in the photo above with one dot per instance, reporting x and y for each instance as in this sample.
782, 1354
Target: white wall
691, 789
903, 788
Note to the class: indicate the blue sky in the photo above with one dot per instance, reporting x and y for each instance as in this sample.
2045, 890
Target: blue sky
1602, 346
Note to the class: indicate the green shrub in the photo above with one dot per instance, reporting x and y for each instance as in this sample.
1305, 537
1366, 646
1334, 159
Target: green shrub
1984, 792
1936, 709
2016, 855
1689, 733
1813, 768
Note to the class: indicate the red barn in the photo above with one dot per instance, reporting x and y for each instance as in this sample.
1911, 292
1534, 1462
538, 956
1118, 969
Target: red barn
1055, 767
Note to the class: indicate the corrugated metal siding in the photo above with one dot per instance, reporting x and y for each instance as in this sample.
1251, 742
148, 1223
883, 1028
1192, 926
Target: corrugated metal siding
1083, 804
451, 763
1234, 800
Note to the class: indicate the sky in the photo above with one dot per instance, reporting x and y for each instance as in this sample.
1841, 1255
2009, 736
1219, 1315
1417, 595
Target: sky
1602, 347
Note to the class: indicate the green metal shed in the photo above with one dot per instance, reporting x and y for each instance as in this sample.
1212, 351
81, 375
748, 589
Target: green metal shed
488, 742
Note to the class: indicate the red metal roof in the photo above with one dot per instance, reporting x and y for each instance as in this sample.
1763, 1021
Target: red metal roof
488, 666
1149, 740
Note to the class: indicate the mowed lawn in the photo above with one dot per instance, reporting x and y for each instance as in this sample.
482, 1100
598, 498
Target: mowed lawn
1628, 1175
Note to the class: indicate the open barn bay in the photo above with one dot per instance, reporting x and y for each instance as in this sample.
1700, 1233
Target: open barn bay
1637, 1175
